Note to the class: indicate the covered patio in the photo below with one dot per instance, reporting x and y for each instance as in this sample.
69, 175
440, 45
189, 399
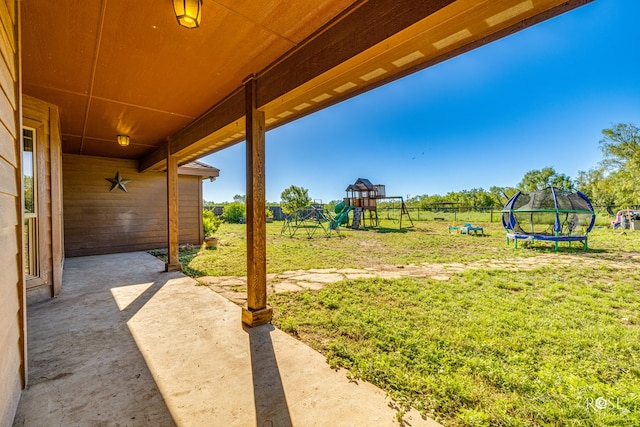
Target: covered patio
123, 69
128, 344
116, 91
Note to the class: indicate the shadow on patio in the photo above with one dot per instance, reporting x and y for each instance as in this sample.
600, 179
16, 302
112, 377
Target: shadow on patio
127, 344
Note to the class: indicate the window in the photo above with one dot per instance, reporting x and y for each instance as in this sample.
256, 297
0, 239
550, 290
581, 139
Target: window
29, 190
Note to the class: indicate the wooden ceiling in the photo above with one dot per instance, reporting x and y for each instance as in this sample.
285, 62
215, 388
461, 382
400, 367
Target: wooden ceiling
126, 67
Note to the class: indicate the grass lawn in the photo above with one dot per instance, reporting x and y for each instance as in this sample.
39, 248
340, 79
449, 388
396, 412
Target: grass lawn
427, 242
553, 345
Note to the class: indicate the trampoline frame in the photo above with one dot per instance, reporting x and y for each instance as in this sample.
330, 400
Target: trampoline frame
556, 237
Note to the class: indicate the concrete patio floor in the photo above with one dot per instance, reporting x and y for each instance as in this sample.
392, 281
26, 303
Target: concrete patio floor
127, 344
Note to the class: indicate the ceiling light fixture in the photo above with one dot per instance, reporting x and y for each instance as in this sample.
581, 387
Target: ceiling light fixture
123, 140
188, 12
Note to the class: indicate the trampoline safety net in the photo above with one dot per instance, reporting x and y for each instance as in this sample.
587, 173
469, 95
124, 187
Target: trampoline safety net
549, 212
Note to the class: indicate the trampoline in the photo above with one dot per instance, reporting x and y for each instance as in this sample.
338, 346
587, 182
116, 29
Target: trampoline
550, 214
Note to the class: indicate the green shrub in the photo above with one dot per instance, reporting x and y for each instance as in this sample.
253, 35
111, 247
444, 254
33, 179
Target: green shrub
210, 222
233, 212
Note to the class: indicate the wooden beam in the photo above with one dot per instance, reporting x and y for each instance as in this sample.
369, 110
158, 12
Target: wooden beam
232, 108
256, 312
219, 116
173, 262
342, 41
155, 160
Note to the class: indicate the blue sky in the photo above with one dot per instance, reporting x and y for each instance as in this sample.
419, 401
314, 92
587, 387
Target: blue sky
538, 98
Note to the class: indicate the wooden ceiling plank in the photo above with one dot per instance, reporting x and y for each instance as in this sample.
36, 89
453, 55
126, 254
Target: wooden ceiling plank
96, 54
58, 39
293, 20
107, 119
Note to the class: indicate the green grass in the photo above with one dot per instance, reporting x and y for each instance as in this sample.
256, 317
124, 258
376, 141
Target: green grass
488, 348
556, 345
426, 242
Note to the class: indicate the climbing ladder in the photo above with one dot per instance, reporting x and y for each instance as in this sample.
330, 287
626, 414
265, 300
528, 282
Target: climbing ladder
357, 213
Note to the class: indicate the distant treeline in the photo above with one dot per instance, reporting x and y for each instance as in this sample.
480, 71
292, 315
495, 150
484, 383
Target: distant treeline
275, 210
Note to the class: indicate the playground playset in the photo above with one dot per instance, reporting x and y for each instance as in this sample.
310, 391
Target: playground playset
361, 203
363, 197
550, 214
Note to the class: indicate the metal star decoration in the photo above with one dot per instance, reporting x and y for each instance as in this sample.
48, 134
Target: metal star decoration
118, 182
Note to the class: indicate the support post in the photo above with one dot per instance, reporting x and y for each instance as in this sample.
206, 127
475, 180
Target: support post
173, 261
257, 311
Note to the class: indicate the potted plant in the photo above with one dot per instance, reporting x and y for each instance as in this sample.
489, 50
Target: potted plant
211, 242
210, 224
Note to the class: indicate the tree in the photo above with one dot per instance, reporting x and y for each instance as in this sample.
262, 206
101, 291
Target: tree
621, 147
240, 198
539, 179
294, 198
28, 195
502, 194
596, 187
475, 198
616, 180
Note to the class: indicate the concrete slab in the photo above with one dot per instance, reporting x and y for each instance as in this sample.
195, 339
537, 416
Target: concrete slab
127, 344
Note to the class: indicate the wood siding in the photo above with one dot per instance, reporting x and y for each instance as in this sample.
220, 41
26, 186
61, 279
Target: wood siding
44, 118
100, 221
12, 298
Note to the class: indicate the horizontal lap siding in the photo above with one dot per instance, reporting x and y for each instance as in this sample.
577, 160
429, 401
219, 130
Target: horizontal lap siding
12, 329
99, 221
189, 208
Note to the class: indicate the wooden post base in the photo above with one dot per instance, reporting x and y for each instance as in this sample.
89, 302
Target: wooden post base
258, 317
172, 267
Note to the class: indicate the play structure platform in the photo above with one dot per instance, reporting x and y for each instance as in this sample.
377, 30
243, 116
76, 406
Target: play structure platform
363, 197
